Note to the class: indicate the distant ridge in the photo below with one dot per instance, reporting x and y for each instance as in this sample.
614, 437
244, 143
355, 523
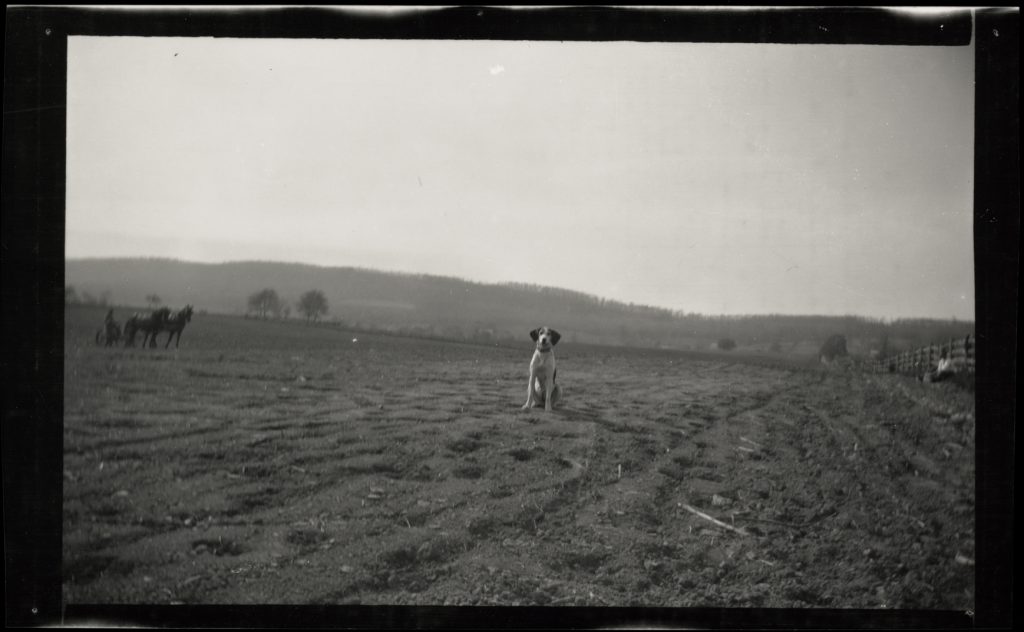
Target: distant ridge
457, 308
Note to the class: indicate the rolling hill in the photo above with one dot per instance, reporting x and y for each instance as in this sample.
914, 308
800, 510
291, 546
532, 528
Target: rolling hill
456, 308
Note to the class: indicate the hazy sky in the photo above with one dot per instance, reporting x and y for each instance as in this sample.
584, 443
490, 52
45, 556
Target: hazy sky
715, 178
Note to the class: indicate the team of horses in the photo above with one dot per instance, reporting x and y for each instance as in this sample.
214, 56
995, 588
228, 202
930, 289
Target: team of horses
159, 321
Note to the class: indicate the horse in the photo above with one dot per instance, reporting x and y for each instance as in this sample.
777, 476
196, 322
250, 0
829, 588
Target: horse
130, 327
148, 325
175, 325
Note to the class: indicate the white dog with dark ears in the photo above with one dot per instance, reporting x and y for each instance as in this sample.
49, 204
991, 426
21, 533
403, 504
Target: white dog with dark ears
542, 386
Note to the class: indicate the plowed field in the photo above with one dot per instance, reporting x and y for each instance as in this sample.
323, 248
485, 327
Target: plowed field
266, 462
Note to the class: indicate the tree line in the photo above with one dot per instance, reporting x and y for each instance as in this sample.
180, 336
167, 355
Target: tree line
458, 309
266, 303
634, 325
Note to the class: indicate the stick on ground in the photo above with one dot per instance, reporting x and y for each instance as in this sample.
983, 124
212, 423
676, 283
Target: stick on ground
719, 523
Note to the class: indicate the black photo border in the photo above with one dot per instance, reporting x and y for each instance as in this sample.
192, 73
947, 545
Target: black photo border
32, 250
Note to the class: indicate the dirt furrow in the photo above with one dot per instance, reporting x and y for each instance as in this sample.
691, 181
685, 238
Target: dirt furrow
399, 471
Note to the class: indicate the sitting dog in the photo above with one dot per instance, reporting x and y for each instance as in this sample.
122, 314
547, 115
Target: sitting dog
542, 387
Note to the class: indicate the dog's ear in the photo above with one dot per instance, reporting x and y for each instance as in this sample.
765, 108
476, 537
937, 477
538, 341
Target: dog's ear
555, 337
535, 333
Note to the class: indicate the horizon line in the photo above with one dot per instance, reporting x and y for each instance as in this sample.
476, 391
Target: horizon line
674, 312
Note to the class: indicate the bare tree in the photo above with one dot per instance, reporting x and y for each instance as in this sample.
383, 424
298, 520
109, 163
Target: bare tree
265, 302
312, 305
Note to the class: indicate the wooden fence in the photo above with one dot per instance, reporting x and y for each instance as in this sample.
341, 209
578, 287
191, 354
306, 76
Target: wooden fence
918, 361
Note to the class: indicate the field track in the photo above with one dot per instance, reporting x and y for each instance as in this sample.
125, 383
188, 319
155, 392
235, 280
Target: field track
266, 462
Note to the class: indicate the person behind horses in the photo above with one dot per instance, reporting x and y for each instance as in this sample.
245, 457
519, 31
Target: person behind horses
111, 330
943, 369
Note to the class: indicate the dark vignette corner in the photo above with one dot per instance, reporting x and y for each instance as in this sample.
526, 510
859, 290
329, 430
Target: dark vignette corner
33, 278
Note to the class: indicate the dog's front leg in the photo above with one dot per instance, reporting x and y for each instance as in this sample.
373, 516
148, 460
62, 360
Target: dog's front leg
549, 387
529, 390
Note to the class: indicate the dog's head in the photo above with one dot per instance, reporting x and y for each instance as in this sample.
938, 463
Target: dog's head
545, 337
